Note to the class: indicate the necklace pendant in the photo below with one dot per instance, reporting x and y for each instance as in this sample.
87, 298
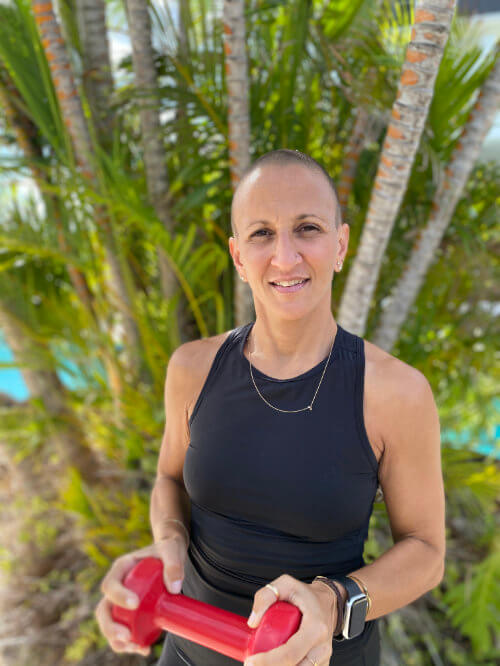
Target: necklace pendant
309, 407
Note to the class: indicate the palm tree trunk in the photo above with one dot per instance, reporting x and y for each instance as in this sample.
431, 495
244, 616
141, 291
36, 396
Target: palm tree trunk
238, 125
62, 76
423, 56
366, 129
33, 357
445, 201
152, 141
97, 73
351, 158
60, 66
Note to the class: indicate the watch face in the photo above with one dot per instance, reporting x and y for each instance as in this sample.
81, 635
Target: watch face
357, 617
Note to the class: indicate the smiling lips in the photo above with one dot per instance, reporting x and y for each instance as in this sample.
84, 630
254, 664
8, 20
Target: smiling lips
290, 289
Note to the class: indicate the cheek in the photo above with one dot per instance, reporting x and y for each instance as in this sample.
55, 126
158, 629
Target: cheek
256, 257
321, 257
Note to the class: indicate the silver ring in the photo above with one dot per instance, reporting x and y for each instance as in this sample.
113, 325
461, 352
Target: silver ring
271, 587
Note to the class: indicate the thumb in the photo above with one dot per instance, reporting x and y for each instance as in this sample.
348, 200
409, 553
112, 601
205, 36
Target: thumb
173, 565
175, 586
259, 608
282, 588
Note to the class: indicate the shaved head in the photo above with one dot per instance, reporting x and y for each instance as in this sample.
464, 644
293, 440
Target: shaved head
285, 157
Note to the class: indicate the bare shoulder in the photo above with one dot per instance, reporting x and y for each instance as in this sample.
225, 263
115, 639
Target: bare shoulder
393, 389
196, 358
392, 372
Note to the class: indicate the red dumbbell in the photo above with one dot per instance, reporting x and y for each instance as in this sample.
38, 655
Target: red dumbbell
215, 628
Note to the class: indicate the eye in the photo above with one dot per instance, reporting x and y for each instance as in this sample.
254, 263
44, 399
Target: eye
302, 228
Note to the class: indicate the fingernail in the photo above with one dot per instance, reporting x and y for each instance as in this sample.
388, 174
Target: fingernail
175, 587
132, 602
252, 619
122, 635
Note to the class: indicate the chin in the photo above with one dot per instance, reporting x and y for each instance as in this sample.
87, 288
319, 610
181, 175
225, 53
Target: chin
293, 312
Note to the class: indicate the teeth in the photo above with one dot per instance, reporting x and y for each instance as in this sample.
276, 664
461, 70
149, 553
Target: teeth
289, 284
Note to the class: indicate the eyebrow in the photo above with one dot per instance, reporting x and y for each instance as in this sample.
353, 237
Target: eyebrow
299, 217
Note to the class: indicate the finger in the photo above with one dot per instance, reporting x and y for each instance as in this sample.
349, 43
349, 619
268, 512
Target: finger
112, 586
110, 629
264, 598
292, 652
312, 630
125, 646
290, 589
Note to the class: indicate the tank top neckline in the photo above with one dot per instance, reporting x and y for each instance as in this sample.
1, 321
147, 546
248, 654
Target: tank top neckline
305, 375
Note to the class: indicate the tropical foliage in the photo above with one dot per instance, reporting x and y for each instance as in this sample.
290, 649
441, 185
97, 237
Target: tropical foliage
107, 264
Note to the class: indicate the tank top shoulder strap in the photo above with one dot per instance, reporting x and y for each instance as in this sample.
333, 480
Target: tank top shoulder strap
356, 345
231, 339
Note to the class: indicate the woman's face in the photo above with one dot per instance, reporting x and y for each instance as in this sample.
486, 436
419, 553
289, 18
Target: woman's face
285, 219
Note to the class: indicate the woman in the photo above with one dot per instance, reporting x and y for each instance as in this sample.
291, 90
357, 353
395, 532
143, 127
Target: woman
277, 435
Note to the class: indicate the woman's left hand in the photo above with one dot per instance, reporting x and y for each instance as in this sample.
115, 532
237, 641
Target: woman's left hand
312, 642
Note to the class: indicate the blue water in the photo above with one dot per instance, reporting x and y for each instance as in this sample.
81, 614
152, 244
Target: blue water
12, 383
11, 380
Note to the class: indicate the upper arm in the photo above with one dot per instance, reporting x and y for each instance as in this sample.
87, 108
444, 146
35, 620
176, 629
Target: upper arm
177, 397
410, 469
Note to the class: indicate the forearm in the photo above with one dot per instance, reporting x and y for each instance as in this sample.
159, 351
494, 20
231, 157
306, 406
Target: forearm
168, 500
402, 574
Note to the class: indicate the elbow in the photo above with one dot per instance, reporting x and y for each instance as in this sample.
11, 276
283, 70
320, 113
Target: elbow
436, 580
435, 564
438, 571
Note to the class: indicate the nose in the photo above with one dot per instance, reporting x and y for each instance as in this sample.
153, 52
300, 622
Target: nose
285, 254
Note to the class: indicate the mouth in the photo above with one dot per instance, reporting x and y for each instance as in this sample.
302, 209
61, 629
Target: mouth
291, 289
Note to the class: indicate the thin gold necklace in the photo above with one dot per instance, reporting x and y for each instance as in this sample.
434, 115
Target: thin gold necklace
293, 411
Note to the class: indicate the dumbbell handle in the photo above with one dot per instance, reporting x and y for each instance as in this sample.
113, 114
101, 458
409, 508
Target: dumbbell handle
215, 628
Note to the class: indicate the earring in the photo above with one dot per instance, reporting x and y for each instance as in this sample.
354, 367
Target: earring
242, 278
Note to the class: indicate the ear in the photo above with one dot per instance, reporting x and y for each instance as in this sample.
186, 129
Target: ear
343, 238
235, 254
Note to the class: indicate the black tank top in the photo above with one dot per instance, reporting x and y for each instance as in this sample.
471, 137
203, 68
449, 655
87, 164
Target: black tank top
274, 492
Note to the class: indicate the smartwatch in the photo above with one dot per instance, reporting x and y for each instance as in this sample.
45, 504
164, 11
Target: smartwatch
355, 609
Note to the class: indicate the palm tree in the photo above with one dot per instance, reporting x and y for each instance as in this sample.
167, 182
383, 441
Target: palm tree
97, 73
71, 107
152, 140
365, 130
444, 203
238, 126
28, 140
409, 112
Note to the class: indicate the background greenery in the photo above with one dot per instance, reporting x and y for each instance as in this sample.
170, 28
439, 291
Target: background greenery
310, 65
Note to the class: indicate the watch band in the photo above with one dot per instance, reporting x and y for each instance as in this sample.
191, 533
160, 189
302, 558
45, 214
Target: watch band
340, 602
355, 609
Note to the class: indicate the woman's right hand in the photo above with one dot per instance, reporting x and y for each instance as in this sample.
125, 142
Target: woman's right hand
172, 550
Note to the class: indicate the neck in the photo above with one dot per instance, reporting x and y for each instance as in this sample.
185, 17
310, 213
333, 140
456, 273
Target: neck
290, 342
